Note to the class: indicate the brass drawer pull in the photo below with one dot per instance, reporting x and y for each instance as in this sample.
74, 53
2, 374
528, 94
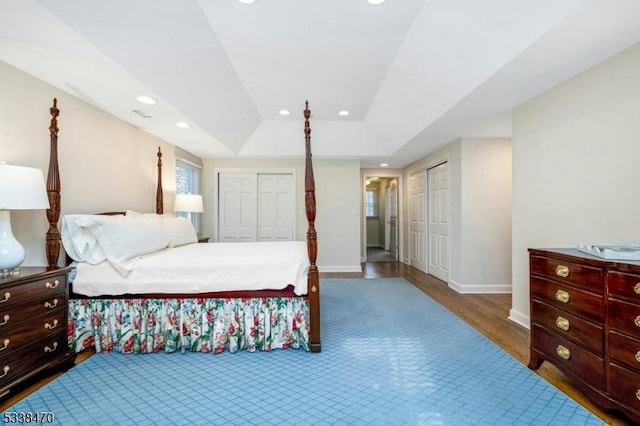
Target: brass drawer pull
6, 319
638, 393
52, 286
51, 305
562, 296
5, 371
638, 356
6, 345
637, 321
7, 295
636, 288
51, 349
563, 352
562, 271
563, 323
51, 327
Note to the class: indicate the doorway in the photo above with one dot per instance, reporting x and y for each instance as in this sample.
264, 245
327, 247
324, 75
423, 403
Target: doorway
381, 232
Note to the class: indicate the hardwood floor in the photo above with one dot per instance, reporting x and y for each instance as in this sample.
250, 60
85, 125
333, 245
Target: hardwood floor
486, 313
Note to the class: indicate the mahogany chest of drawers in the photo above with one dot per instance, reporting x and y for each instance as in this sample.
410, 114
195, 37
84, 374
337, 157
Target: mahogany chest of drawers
33, 324
585, 319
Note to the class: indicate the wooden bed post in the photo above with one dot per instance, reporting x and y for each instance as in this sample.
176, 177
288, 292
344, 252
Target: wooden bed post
313, 281
159, 200
53, 190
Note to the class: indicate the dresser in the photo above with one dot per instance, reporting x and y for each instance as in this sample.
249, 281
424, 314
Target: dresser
33, 325
585, 319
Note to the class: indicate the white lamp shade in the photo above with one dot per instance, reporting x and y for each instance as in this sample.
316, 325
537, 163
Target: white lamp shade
22, 188
188, 203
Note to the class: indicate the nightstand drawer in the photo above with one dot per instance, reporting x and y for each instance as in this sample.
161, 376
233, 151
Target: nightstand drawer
582, 303
12, 315
569, 355
28, 360
583, 276
24, 334
48, 287
568, 325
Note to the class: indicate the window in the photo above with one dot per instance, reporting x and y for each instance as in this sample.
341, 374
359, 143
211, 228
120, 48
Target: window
371, 203
188, 176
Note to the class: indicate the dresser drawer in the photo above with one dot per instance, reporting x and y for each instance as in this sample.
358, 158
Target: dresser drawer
582, 303
31, 357
569, 356
623, 284
44, 288
624, 385
568, 325
11, 315
26, 333
624, 349
583, 276
624, 316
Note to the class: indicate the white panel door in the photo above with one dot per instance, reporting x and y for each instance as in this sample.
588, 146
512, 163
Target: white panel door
438, 180
417, 221
275, 207
238, 208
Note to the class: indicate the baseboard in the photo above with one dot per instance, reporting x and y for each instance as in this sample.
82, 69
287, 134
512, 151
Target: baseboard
342, 268
480, 289
520, 318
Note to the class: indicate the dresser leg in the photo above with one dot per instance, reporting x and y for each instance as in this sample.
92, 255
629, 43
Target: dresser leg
535, 360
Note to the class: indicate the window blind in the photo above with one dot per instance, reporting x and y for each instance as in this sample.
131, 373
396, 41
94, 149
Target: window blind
188, 177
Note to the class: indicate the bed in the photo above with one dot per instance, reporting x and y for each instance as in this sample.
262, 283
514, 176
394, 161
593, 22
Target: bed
253, 297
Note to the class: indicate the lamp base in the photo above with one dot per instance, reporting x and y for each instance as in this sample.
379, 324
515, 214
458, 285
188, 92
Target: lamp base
11, 251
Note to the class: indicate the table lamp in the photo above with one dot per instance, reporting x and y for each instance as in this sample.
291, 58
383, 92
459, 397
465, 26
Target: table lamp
21, 188
190, 203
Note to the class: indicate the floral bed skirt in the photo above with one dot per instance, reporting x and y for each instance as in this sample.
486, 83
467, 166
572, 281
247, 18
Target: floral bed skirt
203, 325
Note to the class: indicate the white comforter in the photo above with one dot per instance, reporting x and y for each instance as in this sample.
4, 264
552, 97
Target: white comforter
199, 268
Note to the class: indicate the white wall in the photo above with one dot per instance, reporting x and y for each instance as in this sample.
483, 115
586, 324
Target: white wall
480, 212
576, 152
105, 163
337, 205
486, 216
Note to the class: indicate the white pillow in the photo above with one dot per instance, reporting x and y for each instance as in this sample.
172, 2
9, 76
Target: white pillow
80, 243
180, 231
123, 240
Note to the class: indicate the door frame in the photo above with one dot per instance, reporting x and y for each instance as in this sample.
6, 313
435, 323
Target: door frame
363, 220
257, 170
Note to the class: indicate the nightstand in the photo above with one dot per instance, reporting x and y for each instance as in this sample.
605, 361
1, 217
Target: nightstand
33, 324
203, 239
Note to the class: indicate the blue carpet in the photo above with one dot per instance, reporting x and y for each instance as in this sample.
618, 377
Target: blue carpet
391, 356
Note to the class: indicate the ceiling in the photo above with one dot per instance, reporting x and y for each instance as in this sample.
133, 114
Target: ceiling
413, 74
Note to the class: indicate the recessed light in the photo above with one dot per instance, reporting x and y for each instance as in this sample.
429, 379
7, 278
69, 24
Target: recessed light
384, 165
284, 112
182, 125
146, 100
246, 1
375, 2
343, 113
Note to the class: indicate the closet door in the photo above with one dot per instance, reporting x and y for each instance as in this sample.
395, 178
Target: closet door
256, 207
238, 208
275, 207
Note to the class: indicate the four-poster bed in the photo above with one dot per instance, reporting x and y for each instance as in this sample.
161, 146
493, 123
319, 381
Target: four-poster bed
179, 317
